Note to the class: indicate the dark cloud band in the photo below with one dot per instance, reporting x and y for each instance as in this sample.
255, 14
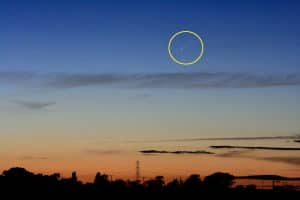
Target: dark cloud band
255, 147
174, 152
195, 80
34, 105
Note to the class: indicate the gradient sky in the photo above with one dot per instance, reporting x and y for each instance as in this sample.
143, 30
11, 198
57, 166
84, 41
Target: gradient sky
78, 75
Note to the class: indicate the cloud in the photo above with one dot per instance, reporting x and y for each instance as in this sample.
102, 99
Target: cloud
101, 152
255, 147
16, 76
216, 139
196, 80
34, 105
234, 153
243, 154
175, 80
33, 158
174, 152
143, 96
289, 160
62, 80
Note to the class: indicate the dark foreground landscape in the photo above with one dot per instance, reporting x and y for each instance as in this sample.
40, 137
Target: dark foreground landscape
20, 183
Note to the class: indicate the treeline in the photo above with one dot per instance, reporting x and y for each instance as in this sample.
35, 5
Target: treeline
20, 183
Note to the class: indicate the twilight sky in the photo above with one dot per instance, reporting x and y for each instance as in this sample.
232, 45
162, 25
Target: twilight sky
76, 75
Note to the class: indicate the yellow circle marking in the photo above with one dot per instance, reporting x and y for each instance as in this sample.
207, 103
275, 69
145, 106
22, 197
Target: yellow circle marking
178, 61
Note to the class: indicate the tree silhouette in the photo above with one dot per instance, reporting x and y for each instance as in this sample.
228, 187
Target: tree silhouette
219, 181
19, 183
155, 185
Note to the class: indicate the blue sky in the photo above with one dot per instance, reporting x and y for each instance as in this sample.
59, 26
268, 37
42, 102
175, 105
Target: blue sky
132, 36
58, 58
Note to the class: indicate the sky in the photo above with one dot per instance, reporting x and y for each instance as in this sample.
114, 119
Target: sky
91, 76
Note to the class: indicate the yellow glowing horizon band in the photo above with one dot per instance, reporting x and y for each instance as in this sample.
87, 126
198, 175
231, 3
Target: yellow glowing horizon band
185, 63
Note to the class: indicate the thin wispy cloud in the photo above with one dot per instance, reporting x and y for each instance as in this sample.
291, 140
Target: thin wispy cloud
33, 105
16, 76
293, 160
174, 80
255, 148
174, 152
234, 153
33, 158
219, 138
142, 96
101, 152
288, 160
196, 80
63, 80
